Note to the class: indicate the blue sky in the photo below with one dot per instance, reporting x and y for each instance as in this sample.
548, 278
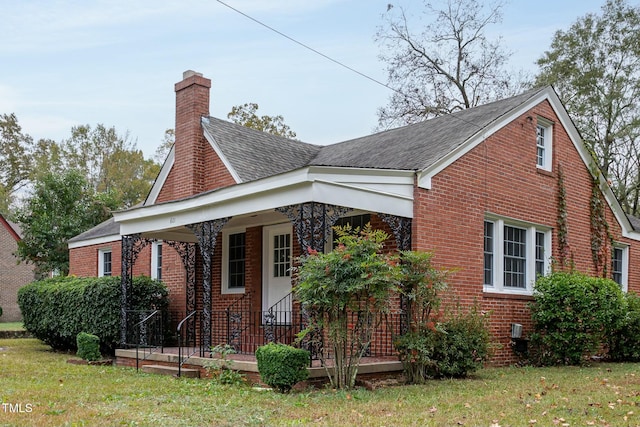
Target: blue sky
71, 62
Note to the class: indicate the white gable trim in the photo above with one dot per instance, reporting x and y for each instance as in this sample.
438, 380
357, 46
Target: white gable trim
373, 190
425, 176
97, 241
162, 178
223, 158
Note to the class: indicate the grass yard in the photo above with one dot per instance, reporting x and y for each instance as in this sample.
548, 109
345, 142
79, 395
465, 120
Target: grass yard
39, 388
11, 326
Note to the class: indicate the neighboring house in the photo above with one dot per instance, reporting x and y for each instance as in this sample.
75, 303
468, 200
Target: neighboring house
481, 188
12, 275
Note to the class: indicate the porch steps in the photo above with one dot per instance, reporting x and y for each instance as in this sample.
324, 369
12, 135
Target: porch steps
171, 370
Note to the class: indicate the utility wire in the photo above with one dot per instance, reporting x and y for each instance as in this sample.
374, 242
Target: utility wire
309, 48
329, 58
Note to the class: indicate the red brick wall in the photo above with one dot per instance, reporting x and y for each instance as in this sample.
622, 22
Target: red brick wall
12, 275
499, 176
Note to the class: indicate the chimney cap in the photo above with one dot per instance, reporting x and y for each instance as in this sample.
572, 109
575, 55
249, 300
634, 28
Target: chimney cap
190, 73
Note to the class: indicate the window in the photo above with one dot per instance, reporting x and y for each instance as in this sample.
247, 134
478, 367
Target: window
355, 221
515, 253
543, 144
620, 265
104, 262
281, 255
233, 261
156, 260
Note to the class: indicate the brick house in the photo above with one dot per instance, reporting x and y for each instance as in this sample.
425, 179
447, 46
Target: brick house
12, 275
481, 188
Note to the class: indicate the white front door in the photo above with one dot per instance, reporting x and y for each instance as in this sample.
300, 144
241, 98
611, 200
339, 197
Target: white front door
276, 283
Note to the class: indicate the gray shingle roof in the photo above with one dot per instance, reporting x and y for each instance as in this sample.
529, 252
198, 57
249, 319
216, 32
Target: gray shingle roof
106, 228
254, 155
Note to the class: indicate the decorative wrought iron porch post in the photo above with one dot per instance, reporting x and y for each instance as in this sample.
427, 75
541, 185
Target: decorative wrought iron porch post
312, 222
207, 232
131, 247
187, 253
401, 228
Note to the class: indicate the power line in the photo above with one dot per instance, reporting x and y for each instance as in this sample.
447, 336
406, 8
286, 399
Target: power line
309, 48
329, 58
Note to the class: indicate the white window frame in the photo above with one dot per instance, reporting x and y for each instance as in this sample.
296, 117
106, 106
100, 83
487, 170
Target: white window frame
624, 285
224, 288
154, 259
499, 223
547, 157
101, 253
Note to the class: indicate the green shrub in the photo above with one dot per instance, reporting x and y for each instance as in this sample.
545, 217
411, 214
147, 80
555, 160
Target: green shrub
572, 315
624, 342
282, 366
455, 347
88, 346
221, 368
56, 310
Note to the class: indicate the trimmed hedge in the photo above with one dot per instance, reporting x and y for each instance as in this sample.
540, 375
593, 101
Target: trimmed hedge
88, 346
282, 366
56, 310
573, 314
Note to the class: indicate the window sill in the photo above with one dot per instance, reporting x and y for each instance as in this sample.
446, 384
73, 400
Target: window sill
232, 291
545, 172
504, 295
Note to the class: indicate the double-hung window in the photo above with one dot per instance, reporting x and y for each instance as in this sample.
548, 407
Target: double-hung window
515, 253
156, 260
620, 265
104, 262
233, 261
544, 138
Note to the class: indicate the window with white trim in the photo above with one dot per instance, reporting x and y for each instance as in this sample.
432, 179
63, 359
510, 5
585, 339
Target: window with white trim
354, 221
156, 260
544, 138
515, 253
620, 265
104, 262
233, 261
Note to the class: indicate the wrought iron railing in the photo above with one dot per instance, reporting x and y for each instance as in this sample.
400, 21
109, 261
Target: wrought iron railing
147, 334
190, 340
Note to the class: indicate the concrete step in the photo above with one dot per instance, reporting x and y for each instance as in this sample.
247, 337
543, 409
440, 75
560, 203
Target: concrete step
171, 370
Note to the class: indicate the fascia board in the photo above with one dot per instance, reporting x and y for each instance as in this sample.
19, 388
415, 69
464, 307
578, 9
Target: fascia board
161, 179
96, 241
291, 188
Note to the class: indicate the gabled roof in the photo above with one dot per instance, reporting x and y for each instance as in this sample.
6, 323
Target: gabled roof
252, 155
12, 228
108, 230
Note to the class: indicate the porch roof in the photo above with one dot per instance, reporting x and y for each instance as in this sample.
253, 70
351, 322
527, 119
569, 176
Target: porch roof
381, 191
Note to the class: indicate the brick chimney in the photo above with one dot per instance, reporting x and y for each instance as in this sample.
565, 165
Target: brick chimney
192, 103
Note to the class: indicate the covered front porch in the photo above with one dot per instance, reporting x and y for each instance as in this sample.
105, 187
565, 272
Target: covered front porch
237, 246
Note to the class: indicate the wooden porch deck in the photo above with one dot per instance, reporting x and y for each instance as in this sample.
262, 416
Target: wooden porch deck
247, 364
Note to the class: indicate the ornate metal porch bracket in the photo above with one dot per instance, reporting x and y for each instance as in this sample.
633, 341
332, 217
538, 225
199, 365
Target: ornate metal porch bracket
187, 252
312, 222
401, 228
207, 232
132, 245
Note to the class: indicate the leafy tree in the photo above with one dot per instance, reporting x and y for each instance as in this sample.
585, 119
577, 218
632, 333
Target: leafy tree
165, 147
111, 162
247, 115
595, 68
344, 291
15, 158
449, 65
62, 206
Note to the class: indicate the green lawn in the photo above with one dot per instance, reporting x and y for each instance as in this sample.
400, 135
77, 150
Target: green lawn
11, 326
51, 392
